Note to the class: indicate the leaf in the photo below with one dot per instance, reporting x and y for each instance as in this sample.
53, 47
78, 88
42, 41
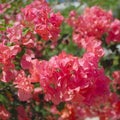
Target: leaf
3, 99
2, 29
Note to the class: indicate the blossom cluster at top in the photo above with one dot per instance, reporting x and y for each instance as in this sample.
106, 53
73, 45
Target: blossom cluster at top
35, 18
94, 22
42, 20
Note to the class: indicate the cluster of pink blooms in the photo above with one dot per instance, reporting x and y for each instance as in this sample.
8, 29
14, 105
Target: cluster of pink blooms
114, 32
94, 22
68, 78
107, 111
7, 56
35, 18
79, 82
4, 7
116, 81
42, 20
94, 46
24, 86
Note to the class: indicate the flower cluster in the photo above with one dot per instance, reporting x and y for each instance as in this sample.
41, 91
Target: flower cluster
7, 55
91, 44
114, 32
24, 86
68, 78
93, 23
116, 81
106, 111
17, 36
42, 20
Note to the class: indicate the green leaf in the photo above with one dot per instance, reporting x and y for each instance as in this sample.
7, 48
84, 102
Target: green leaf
2, 29
3, 99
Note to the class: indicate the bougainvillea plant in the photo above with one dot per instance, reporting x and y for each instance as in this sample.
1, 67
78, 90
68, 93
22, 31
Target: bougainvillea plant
41, 79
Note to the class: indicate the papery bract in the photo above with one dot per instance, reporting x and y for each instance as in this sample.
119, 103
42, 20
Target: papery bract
116, 80
26, 59
114, 32
91, 44
24, 86
15, 33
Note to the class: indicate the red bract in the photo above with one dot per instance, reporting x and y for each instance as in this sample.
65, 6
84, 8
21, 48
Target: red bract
72, 18
111, 109
116, 81
114, 32
24, 86
68, 113
68, 78
26, 59
3, 37
40, 18
34, 71
22, 115
36, 94
91, 44
7, 55
4, 114
116, 110
116, 76
29, 40
14, 33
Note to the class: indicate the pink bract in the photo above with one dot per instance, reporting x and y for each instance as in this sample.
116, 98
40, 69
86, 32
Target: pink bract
114, 32
24, 86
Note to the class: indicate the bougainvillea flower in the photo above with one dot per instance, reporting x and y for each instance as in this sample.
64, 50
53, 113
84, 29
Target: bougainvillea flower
116, 80
42, 20
93, 23
26, 59
68, 78
15, 33
91, 44
114, 32
24, 86
7, 55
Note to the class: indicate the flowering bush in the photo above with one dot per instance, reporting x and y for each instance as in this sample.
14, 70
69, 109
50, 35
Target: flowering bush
46, 74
